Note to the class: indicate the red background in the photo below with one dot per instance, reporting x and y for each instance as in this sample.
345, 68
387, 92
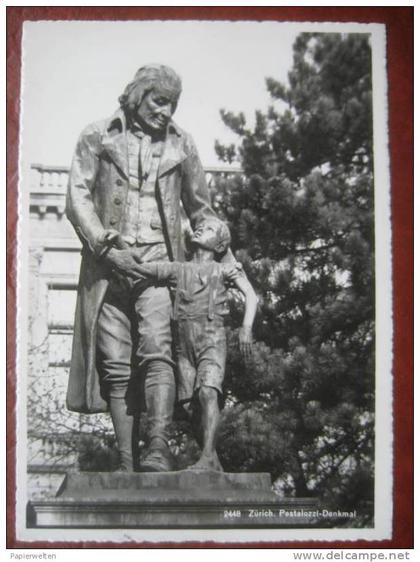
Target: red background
399, 29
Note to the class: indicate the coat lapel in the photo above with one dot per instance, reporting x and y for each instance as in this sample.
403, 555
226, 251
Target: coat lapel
173, 153
116, 147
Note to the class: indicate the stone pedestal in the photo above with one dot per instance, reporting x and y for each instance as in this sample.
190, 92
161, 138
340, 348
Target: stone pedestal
183, 499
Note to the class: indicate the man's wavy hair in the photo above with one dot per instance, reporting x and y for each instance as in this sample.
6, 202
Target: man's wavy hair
145, 80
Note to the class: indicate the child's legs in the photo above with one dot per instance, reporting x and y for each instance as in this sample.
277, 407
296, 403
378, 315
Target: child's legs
208, 402
201, 361
210, 416
210, 374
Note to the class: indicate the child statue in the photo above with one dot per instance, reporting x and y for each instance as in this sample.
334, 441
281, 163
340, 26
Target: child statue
200, 306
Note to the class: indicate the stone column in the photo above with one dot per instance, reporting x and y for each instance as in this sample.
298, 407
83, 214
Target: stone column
37, 359
38, 304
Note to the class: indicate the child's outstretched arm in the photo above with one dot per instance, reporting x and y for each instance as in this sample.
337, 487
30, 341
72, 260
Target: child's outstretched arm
251, 303
148, 270
157, 271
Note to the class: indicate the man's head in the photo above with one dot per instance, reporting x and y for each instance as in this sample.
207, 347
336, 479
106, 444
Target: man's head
212, 234
151, 98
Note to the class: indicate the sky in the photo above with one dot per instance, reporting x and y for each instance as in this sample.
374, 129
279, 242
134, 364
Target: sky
73, 73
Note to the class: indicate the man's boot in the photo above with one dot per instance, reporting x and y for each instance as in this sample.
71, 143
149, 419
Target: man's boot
123, 427
158, 457
160, 404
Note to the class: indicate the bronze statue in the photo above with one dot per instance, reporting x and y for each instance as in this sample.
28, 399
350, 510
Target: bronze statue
200, 305
128, 176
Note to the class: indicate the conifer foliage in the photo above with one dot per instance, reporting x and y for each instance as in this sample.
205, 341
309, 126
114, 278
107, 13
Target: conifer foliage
301, 216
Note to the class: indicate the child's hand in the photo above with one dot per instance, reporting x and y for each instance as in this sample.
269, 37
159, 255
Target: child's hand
245, 341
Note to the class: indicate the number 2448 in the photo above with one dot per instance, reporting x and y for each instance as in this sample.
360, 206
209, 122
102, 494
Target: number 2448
231, 513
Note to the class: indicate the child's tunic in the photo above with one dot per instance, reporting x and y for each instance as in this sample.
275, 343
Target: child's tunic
200, 306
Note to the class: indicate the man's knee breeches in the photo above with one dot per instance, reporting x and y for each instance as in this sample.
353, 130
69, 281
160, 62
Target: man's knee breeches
134, 338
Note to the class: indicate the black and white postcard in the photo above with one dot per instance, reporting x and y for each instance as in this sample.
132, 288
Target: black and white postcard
204, 283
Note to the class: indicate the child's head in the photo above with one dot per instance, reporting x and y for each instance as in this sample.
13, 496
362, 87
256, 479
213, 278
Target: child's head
212, 234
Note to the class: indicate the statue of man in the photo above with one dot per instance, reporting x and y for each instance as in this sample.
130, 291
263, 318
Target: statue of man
128, 177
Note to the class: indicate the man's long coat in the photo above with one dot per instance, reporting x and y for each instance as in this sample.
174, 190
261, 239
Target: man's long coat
97, 190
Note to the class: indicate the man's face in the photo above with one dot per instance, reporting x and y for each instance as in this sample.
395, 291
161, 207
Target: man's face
156, 109
206, 236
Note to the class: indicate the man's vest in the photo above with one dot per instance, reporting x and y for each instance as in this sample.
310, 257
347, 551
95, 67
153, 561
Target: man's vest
142, 223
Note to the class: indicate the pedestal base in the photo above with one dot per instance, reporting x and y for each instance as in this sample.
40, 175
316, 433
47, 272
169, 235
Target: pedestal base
183, 499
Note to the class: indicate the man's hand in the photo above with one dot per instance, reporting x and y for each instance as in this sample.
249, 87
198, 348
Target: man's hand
245, 341
125, 262
111, 238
